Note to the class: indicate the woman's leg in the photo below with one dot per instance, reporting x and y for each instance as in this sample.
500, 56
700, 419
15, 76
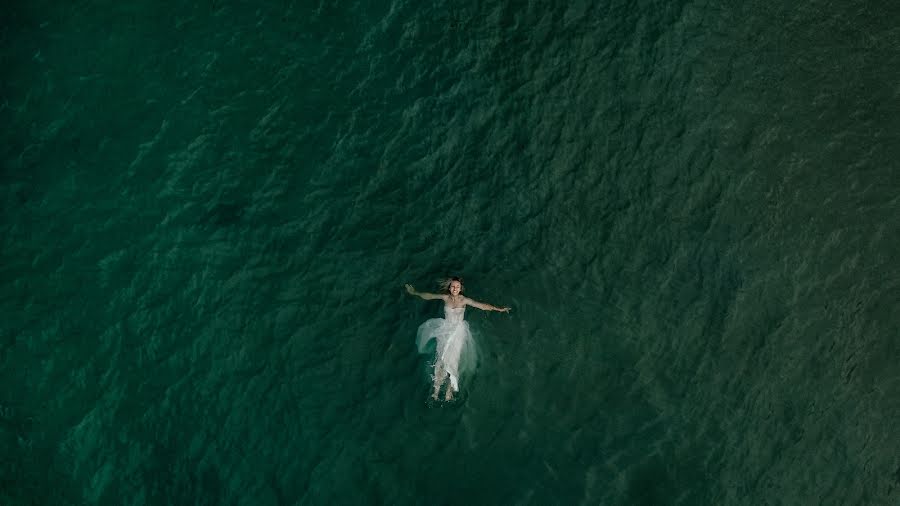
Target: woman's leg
451, 388
439, 376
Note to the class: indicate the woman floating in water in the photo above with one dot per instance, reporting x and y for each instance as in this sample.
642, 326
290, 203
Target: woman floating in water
455, 349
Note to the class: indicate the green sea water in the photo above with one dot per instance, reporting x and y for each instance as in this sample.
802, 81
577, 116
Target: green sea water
210, 210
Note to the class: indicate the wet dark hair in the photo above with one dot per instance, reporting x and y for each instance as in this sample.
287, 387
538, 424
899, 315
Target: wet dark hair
444, 283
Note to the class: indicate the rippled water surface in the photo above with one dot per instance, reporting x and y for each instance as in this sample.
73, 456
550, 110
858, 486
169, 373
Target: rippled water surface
210, 210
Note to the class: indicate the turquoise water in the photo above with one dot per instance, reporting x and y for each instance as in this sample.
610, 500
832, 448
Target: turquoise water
210, 211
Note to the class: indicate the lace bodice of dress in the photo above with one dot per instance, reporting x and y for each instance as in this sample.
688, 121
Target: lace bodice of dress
454, 314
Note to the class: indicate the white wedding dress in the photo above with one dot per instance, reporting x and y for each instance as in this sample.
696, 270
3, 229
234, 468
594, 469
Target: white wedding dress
455, 348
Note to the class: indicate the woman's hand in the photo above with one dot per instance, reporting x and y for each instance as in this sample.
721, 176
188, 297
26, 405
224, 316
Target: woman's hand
502, 309
410, 290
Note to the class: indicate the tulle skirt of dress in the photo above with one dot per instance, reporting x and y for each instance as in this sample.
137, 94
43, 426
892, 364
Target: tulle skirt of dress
454, 347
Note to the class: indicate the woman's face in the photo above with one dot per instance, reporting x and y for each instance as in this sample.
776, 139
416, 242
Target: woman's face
455, 288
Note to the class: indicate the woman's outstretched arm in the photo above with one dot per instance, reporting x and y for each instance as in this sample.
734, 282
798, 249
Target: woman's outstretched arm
426, 296
486, 307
